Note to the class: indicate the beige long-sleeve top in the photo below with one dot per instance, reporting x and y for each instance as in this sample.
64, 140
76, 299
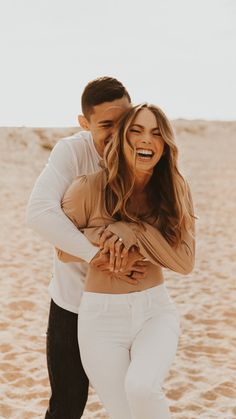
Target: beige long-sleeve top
84, 204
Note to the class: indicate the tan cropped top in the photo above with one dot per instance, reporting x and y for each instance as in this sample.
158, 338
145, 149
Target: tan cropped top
84, 204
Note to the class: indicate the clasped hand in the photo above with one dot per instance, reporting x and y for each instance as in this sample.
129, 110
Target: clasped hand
114, 257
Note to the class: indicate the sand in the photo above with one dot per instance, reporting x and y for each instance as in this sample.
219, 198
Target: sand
202, 380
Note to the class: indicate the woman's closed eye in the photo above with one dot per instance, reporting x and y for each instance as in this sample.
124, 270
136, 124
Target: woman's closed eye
135, 130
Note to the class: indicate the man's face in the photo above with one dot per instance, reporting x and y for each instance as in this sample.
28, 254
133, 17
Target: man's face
103, 120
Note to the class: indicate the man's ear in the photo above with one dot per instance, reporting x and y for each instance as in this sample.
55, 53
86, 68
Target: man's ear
83, 122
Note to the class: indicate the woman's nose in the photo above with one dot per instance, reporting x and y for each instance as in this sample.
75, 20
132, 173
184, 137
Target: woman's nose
146, 139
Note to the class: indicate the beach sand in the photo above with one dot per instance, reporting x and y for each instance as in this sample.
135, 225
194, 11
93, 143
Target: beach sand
202, 380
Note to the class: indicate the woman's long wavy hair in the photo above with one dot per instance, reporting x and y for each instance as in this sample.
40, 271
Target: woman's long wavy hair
167, 191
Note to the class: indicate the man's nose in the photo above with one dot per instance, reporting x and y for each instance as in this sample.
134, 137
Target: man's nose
110, 132
112, 129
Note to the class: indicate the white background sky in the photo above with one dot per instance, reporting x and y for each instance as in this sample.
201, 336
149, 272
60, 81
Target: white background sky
179, 54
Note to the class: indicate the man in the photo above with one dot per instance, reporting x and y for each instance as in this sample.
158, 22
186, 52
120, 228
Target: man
104, 100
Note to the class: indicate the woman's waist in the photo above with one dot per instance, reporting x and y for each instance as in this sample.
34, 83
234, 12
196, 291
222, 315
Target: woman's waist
111, 283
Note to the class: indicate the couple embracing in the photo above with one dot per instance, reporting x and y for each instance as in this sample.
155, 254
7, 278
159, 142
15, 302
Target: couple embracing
114, 205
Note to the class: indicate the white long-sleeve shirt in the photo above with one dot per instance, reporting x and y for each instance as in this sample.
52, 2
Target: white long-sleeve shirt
71, 157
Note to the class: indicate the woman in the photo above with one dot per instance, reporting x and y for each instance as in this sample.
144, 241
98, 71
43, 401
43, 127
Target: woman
129, 333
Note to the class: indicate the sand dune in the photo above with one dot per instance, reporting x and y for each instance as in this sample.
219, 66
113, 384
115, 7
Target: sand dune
202, 381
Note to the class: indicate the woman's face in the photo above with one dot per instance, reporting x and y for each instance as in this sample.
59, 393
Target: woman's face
146, 141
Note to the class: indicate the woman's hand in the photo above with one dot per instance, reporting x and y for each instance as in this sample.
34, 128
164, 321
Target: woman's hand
129, 265
121, 259
101, 262
112, 244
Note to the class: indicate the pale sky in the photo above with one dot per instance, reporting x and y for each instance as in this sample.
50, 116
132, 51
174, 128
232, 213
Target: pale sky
178, 54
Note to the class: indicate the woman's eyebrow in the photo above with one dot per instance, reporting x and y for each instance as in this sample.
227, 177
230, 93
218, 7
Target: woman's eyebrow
136, 125
141, 127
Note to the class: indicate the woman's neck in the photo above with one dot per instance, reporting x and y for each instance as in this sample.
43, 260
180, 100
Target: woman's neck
139, 197
140, 184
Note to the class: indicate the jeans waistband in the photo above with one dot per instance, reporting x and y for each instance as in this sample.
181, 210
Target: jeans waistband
151, 293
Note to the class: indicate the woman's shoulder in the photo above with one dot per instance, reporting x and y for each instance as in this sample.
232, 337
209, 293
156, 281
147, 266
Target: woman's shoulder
96, 179
84, 193
92, 180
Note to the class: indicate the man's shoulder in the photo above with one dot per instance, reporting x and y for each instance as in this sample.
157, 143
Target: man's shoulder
79, 139
76, 153
79, 144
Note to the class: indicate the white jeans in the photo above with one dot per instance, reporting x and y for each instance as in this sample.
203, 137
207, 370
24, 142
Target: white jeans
127, 344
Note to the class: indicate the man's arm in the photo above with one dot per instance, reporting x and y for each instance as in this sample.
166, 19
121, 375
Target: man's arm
44, 213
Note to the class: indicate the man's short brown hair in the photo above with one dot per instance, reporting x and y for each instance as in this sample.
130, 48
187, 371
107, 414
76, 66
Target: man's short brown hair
100, 90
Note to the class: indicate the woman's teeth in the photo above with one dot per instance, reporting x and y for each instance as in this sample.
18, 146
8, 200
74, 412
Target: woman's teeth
145, 153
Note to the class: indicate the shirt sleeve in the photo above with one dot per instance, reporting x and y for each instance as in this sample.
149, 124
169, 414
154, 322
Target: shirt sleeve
153, 246
44, 213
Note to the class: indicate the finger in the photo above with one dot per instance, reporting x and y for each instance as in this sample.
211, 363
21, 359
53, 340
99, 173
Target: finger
139, 263
103, 262
139, 269
103, 268
99, 258
124, 258
118, 253
105, 249
139, 275
112, 241
103, 238
108, 245
128, 280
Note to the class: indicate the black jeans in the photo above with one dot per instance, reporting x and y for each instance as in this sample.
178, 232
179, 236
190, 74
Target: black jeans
69, 383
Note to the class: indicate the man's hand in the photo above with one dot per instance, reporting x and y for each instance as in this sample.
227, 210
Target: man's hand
139, 271
101, 261
137, 266
122, 260
129, 265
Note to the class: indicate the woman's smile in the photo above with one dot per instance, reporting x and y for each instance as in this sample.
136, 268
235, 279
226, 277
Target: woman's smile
144, 154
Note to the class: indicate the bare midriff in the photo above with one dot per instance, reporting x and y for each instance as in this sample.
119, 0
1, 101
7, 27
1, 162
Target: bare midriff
111, 283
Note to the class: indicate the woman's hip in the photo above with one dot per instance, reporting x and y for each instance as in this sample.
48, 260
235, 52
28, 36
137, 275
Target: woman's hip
125, 308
